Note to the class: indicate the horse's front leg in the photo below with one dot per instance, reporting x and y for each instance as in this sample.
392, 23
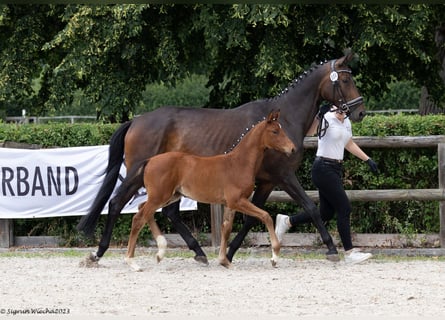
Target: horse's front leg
259, 198
244, 205
226, 228
172, 212
292, 186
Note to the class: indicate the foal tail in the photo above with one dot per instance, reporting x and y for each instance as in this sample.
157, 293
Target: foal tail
88, 222
133, 181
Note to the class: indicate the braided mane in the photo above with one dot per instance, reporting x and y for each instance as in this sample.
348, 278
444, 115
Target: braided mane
299, 79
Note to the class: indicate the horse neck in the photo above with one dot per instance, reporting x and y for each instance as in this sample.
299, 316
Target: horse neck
299, 101
249, 153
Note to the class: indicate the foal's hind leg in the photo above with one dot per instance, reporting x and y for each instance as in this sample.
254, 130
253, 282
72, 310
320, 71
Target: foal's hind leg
160, 239
139, 220
157, 235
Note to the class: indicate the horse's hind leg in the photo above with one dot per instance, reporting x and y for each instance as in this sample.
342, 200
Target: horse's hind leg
114, 208
172, 212
139, 221
226, 228
157, 235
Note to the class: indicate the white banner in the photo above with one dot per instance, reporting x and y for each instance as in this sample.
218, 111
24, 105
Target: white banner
57, 182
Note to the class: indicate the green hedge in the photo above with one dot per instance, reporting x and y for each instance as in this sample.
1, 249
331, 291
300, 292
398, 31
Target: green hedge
58, 134
399, 169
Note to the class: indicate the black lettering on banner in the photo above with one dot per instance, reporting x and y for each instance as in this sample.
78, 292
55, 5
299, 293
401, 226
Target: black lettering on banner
37, 183
54, 181
7, 176
67, 180
22, 181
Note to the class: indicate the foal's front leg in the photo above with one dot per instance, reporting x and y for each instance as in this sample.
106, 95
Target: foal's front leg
247, 207
226, 228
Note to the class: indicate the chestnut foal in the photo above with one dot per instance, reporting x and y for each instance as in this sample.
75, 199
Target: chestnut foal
226, 179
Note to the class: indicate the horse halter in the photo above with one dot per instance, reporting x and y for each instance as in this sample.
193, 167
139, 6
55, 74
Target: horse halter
344, 105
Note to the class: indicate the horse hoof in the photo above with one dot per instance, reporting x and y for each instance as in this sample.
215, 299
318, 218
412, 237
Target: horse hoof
333, 257
274, 262
93, 257
91, 261
225, 263
158, 257
133, 265
202, 259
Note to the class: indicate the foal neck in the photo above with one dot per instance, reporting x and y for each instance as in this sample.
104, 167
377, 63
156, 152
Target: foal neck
250, 150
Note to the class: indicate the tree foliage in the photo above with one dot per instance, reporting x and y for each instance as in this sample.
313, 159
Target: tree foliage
50, 53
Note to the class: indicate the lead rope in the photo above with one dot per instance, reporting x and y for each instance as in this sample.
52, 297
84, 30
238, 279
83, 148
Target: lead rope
323, 124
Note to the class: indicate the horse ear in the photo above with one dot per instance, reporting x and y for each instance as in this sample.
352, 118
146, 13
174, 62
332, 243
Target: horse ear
349, 56
273, 115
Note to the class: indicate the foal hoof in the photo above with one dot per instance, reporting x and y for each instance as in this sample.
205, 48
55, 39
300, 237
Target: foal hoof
133, 265
273, 262
225, 263
202, 259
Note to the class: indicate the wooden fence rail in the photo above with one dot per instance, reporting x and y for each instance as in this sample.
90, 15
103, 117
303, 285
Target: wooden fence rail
6, 236
372, 195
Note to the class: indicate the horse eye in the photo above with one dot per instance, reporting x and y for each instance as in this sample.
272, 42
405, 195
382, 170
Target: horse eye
346, 79
275, 131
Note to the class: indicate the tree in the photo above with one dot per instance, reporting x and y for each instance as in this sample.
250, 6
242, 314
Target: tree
23, 32
393, 42
247, 51
113, 51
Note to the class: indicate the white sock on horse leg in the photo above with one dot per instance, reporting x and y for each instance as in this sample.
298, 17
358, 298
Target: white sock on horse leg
162, 247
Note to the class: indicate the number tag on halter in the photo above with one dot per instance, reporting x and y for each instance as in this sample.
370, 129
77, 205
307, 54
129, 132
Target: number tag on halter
333, 76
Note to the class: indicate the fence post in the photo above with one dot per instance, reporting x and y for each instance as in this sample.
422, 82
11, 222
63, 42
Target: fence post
7, 225
6, 233
441, 173
216, 214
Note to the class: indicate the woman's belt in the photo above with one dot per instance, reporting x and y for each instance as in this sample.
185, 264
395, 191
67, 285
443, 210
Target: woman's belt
328, 159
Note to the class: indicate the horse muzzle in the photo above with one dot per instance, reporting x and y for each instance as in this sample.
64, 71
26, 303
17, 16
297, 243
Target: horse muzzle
290, 150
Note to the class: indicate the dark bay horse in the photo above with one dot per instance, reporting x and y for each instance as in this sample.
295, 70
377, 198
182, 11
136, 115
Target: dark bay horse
227, 179
208, 132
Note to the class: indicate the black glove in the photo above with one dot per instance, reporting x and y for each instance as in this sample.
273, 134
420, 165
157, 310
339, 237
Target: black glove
323, 109
372, 165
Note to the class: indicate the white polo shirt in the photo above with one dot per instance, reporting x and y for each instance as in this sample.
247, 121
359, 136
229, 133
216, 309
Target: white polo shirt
332, 144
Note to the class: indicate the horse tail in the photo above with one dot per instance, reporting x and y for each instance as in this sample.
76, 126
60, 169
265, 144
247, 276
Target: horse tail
88, 222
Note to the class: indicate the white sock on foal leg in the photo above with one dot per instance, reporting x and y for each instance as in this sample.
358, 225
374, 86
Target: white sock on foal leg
132, 264
162, 247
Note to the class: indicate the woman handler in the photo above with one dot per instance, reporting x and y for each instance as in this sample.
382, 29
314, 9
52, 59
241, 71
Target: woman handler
334, 136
